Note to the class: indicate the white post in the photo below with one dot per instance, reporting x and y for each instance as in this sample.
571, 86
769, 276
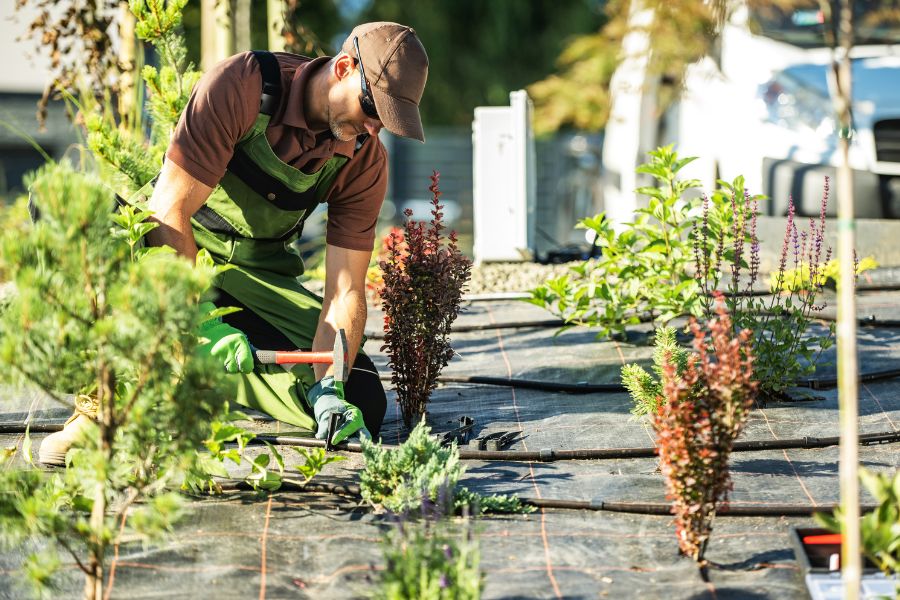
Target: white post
504, 181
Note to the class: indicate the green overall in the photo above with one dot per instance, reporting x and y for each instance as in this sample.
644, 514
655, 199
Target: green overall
249, 220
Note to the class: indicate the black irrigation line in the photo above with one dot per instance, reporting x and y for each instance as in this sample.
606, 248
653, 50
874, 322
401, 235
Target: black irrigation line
867, 321
543, 455
551, 455
884, 286
727, 509
818, 383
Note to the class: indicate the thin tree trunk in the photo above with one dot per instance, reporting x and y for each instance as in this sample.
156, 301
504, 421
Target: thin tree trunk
93, 584
224, 28
93, 581
851, 561
242, 25
208, 53
126, 63
275, 24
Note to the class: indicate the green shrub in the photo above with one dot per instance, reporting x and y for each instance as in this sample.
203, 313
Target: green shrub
647, 392
93, 314
420, 469
644, 270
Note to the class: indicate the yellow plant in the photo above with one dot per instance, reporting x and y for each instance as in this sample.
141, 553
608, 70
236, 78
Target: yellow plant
800, 279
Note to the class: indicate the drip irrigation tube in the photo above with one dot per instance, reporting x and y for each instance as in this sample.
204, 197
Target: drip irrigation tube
867, 321
819, 383
551, 455
726, 509
885, 286
379, 335
543, 455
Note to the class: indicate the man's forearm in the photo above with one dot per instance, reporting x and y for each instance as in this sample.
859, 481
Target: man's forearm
347, 312
174, 231
176, 197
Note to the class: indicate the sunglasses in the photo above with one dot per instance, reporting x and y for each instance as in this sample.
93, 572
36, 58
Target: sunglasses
365, 98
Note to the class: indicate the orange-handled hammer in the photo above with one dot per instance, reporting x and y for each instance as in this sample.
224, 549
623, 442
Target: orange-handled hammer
338, 357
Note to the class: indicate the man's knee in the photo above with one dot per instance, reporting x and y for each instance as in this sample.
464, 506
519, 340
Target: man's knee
365, 391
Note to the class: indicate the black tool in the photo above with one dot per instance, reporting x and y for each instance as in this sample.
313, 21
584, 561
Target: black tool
333, 423
461, 434
499, 440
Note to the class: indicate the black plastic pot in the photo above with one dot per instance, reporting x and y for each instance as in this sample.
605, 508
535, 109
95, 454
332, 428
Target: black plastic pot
824, 584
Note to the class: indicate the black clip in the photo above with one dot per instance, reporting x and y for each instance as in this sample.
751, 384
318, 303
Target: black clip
332, 428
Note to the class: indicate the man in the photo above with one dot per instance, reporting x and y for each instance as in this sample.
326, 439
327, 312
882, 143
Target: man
263, 140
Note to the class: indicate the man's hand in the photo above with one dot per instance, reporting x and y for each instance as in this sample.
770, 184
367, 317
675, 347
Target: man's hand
225, 343
325, 400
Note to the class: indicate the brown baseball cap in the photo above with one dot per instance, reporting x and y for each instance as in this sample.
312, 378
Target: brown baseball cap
396, 68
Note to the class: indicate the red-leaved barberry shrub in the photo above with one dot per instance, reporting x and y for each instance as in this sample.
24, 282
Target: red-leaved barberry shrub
374, 276
704, 411
423, 280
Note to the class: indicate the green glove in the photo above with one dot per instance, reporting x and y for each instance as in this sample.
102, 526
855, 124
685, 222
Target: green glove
326, 398
225, 343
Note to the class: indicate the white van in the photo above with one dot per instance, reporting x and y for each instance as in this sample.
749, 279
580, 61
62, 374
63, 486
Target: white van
760, 107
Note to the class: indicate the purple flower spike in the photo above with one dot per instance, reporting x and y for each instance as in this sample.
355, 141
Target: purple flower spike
445, 582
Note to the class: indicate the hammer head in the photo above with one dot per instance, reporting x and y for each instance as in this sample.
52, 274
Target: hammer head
341, 362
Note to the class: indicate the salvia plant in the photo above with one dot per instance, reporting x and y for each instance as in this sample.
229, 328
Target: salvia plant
423, 278
879, 529
428, 560
785, 346
399, 479
94, 314
703, 412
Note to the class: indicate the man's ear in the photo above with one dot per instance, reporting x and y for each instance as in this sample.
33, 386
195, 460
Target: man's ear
343, 66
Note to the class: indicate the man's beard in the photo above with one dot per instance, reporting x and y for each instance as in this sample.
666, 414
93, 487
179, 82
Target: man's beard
340, 130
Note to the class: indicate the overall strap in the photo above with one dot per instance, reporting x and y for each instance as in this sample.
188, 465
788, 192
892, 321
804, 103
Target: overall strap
271, 76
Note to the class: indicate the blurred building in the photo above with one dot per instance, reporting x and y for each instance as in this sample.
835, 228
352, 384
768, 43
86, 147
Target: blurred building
23, 82
567, 186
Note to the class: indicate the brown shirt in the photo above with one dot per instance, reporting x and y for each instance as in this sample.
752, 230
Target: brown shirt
222, 109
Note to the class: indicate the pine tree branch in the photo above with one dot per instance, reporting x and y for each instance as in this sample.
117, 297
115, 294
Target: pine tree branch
64, 544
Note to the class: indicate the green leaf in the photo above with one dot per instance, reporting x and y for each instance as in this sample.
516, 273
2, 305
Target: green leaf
26, 446
211, 466
82, 504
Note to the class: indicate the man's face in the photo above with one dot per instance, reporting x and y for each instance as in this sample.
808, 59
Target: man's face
346, 118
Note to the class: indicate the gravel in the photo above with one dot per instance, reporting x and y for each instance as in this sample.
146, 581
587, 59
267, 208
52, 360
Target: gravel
490, 278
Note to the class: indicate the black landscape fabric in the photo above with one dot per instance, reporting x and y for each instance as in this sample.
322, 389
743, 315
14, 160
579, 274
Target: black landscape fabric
305, 545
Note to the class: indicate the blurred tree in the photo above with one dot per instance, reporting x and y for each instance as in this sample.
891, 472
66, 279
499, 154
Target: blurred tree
479, 51
305, 28
680, 32
308, 26
77, 35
